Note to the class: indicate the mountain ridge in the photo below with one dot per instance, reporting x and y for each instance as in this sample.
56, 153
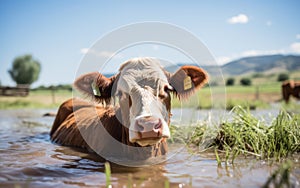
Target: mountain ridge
262, 64
254, 64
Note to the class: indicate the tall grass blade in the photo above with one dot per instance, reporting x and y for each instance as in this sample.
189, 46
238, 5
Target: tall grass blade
107, 174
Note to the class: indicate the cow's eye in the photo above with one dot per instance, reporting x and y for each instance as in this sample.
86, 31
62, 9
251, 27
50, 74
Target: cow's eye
168, 88
119, 94
130, 101
165, 92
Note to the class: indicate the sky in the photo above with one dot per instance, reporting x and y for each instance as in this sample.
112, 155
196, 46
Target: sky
60, 33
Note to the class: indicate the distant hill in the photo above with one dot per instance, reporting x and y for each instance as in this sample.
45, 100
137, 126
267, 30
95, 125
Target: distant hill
262, 64
247, 65
256, 64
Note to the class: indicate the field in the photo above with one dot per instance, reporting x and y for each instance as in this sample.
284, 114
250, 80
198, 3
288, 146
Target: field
36, 99
254, 96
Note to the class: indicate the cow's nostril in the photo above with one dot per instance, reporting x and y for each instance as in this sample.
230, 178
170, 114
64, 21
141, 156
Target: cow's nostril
139, 127
148, 124
158, 125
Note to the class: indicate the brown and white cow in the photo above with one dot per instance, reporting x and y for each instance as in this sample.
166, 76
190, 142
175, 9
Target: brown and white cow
290, 88
140, 117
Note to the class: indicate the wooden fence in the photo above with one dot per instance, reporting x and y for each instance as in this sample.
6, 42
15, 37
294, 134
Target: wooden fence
14, 91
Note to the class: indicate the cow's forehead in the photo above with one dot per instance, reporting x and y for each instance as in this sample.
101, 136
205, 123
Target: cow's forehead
141, 72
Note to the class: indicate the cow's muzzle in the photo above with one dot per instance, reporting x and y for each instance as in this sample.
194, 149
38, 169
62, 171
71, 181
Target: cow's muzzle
149, 130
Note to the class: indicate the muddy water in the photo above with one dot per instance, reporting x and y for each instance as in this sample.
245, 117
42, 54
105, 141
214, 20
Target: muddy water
29, 159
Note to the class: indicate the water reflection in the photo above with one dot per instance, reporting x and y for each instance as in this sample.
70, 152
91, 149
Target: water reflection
29, 159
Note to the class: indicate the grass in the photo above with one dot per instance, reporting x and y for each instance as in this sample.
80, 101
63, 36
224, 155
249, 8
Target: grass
245, 134
36, 99
255, 96
265, 89
108, 174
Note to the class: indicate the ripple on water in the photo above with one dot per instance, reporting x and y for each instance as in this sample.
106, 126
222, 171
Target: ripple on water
29, 159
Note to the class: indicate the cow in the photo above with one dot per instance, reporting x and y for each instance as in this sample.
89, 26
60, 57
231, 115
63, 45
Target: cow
289, 88
132, 113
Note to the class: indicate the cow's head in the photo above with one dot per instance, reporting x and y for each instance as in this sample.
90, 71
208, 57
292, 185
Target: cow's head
143, 89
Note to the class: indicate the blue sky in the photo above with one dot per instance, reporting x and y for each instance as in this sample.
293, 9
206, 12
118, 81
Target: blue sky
59, 32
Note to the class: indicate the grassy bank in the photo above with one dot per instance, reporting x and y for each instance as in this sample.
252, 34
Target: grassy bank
253, 97
36, 99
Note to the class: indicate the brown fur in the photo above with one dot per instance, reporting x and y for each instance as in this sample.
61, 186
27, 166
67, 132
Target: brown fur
290, 88
76, 114
84, 82
199, 78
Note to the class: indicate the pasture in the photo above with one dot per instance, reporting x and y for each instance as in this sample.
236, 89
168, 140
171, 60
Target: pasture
257, 96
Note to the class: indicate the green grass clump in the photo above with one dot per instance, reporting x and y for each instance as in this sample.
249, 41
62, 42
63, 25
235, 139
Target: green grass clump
187, 134
245, 134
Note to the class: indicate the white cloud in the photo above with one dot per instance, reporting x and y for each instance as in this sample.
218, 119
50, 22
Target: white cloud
298, 36
84, 50
269, 23
262, 52
105, 54
239, 19
223, 60
251, 53
295, 47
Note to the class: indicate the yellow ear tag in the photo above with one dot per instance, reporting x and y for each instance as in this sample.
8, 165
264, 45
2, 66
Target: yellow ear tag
95, 89
187, 83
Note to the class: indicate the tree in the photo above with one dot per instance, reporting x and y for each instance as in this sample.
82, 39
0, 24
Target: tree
230, 82
245, 81
282, 77
25, 70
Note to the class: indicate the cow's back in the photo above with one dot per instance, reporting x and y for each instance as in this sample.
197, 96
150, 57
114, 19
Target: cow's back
76, 117
65, 109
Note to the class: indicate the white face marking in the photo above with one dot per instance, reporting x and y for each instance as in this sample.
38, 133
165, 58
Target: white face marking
145, 104
142, 80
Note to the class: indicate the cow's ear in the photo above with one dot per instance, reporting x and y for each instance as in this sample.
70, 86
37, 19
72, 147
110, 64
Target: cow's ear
96, 85
187, 80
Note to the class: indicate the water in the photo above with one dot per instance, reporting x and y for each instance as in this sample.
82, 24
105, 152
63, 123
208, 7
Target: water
29, 159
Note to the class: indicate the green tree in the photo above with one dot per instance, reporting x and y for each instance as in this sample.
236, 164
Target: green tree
25, 70
282, 77
230, 82
245, 81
